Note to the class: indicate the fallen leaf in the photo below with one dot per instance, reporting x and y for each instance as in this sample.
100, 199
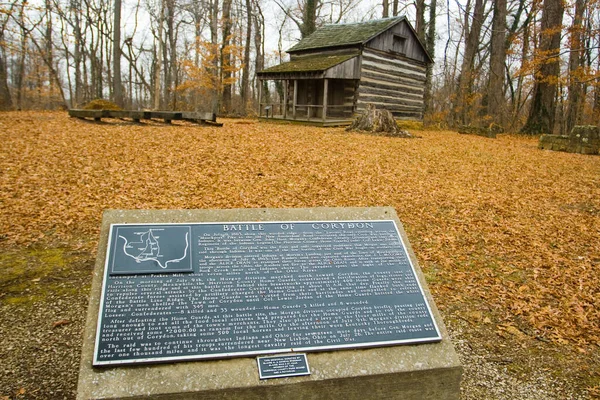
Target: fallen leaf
494, 220
60, 323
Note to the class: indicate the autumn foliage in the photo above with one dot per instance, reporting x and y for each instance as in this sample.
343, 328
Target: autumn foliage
202, 80
499, 227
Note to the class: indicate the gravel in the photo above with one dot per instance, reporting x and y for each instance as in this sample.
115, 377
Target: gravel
40, 349
488, 375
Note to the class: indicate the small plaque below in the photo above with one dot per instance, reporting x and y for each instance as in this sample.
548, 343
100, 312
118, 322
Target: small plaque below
283, 366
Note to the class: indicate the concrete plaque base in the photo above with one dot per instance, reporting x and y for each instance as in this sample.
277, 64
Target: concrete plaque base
424, 371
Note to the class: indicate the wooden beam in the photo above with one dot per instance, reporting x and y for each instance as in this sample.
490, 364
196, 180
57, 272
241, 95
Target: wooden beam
325, 90
295, 100
199, 116
285, 98
260, 85
96, 114
166, 116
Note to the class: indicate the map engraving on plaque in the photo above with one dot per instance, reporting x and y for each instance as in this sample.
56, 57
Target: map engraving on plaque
175, 292
160, 249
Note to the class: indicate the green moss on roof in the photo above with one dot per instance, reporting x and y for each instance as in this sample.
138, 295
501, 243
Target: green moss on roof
311, 64
345, 34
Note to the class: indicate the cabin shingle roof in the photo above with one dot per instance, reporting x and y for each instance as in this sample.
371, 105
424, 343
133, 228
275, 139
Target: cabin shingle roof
309, 64
344, 34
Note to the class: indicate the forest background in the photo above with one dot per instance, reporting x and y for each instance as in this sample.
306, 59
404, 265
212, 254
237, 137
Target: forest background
528, 65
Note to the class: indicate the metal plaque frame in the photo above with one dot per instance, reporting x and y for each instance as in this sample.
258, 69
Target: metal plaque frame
180, 272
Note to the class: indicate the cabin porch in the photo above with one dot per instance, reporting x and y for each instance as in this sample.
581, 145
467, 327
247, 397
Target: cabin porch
324, 102
314, 88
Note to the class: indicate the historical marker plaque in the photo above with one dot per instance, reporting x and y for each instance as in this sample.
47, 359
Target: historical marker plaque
282, 366
175, 292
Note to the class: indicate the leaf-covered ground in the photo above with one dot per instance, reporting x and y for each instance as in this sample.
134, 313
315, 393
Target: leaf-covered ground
507, 235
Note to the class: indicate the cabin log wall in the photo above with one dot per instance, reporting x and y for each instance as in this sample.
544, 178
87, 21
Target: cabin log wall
391, 82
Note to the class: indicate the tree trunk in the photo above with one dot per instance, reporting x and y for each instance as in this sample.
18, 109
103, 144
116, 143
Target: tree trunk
309, 18
596, 107
77, 54
259, 62
465, 84
117, 85
170, 93
386, 9
214, 38
420, 20
430, 46
575, 65
245, 94
226, 57
20, 75
493, 100
516, 93
5, 98
49, 51
543, 105
157, 59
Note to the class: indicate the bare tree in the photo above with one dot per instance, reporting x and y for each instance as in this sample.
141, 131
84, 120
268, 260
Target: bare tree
20, 72
543, 104
493, 99
259, 47
575, 67
246, 72
225, 55
472, 42
430, 47
395, 8
420, 20
309, 18
77, 53
5, 97
49, 48
117, 84
158, 55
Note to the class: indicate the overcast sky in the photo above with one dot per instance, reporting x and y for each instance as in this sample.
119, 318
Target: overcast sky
365, 10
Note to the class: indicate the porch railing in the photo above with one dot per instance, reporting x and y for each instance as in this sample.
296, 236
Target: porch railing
305, 111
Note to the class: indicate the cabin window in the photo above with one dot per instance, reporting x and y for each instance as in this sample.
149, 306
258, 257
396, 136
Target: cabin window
399, 44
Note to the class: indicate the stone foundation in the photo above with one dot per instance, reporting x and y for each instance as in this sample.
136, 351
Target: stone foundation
489, 132
430, 371
584, 139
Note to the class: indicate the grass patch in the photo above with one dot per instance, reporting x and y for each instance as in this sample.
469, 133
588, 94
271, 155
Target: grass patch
31, 274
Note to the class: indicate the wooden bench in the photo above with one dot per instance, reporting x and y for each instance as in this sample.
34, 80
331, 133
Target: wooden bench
137, 116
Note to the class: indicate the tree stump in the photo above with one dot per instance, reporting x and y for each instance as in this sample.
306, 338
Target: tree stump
378, 122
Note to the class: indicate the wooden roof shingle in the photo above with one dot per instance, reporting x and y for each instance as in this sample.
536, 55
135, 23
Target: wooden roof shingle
345, 34
308, 64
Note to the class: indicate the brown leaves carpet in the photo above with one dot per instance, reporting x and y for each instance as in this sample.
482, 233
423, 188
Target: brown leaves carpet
507, 235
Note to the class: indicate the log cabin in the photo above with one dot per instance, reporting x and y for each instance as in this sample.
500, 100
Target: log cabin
336, 71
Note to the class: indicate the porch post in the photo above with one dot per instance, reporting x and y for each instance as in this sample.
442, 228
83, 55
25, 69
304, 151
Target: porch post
295, 99
285, 98
260, 85
325, 87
